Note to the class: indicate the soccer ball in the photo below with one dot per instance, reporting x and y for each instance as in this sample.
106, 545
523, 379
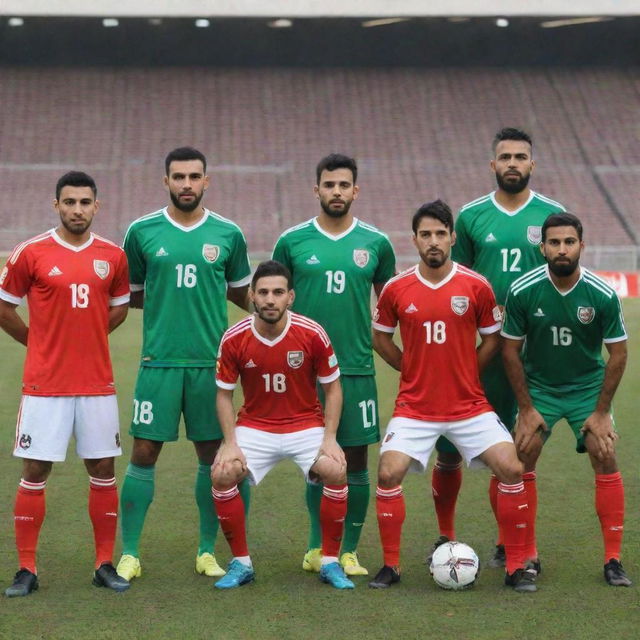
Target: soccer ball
454, 565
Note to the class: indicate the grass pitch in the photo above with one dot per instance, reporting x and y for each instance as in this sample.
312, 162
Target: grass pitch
171, 601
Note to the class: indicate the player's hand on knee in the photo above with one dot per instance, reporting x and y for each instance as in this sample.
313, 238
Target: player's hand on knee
229, 466
530, 425
598, 428
330, 464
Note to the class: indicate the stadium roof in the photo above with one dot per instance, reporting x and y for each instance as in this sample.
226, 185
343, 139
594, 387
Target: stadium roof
315, 8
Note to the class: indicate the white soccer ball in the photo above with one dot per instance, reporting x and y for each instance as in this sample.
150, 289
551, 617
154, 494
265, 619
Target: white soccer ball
454, 565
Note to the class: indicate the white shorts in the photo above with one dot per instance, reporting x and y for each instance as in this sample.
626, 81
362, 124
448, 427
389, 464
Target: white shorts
471, 437
263, 450
46, 424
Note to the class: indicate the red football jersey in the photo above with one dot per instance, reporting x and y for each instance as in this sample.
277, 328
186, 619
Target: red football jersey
278, 377
439, 378
69, 291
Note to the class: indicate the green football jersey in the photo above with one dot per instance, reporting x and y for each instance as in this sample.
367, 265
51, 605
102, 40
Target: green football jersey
564, 331
332, 278
184, 272
501, 245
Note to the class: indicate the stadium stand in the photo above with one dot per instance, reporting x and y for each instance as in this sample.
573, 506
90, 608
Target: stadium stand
417, 103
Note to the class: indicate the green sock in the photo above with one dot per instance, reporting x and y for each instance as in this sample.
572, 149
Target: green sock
135, 497
357, 504
245, 494
314, 496
206, 509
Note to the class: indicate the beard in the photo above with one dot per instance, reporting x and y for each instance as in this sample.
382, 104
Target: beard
77, 229
435, 260
186, 207
266, 318
510, 186
563, 269
335, 213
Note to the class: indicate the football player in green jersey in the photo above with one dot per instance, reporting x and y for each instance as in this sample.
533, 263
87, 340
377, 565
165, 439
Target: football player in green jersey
186, 261
563, 313
497, 235
335, 259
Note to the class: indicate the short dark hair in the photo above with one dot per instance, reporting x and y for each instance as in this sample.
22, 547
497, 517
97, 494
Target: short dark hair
271, 268
336, 161
184, 153
438, 210
76, 179
564, 219
511, 133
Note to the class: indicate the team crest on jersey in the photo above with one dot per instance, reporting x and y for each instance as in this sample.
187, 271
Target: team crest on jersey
497, 313
3, 275
25, 441
101, 267
534, 234
459, 304
295, 359
210, 252
361, 257
586, 314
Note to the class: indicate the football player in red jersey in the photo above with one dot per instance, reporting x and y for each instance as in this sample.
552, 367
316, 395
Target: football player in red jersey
279, 357
77, 287
441, 307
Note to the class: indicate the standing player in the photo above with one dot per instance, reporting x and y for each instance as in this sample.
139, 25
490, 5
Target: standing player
335, 259
185, 262
497, 235
563, 313
279, 357
77, 288
441, 306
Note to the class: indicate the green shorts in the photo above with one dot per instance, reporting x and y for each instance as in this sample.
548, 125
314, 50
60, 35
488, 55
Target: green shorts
359, 422
500, 396
164, 393
574, 408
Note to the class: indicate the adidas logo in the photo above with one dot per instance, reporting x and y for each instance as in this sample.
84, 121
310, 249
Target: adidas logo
55, 272
161, 252
250, 365
313, 260
411, 308
539, 313
490, 238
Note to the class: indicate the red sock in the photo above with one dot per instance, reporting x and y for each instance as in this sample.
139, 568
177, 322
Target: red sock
333, 509
230, 510
493, 499
446, 480
610, 510
103, 511
531, 489
391, 513
28, 516
513, 517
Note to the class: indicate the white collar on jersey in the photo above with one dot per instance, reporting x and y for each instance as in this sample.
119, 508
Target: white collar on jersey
516, 211
338, 236
182, 227
71, 247
568, 291
271, 343
442, 282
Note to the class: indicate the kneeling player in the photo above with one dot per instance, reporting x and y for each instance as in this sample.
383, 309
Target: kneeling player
279, 356
563, 313
441, 306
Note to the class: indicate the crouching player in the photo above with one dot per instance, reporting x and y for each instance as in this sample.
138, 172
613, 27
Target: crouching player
278, 355
440, 307
563, 314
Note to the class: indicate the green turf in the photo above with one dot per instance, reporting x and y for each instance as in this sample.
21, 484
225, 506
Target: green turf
170, 601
